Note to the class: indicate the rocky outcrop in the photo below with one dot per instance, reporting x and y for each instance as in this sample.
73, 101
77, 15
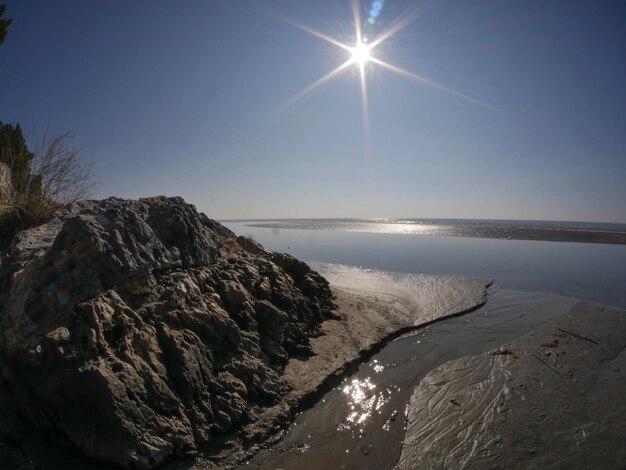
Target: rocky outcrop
139, 331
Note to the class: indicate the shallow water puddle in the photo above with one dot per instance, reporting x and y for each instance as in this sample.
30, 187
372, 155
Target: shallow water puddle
360, 423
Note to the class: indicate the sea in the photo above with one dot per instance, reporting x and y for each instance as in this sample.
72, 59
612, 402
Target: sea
483, 248
535, 279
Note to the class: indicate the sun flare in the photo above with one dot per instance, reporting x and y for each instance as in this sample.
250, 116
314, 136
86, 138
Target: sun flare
361, 54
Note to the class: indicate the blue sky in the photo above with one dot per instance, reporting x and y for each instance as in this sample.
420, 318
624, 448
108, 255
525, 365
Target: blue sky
178, 98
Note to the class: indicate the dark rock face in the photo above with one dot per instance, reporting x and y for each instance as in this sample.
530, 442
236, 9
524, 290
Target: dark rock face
138, 331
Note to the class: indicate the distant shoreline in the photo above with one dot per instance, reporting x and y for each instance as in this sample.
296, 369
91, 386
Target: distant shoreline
576, 232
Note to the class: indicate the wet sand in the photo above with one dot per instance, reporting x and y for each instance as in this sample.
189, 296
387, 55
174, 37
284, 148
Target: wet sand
359, 424
373, 308
551, 399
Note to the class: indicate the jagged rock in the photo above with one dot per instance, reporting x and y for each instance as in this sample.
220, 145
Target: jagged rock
249, 245
140, 331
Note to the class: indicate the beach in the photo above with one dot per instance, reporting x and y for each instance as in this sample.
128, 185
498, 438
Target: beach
202, 349
326, 434
357, 235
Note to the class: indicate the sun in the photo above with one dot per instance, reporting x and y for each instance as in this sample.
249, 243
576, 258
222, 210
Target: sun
361, 54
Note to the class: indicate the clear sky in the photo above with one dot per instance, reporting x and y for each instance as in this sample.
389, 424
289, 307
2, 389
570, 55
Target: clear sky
181, 98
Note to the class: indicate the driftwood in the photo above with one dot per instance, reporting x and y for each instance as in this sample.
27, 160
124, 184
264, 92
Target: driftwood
546, 363
578, 336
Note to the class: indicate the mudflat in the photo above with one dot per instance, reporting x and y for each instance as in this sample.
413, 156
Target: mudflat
371, 310
551, 399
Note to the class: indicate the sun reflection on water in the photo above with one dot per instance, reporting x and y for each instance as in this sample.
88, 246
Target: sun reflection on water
363, 399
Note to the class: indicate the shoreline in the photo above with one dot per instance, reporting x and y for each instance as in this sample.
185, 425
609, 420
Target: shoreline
504, 232
330, 434
367, 321
197, 347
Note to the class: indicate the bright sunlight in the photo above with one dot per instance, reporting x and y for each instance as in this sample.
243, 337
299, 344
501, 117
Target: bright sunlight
361, 54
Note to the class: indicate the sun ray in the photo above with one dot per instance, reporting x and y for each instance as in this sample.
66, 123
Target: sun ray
312, 31
365, 109
361, 56
356, 12
426, 81
401, 22
302, 93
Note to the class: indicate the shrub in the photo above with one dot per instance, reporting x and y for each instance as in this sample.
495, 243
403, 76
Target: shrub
57, 176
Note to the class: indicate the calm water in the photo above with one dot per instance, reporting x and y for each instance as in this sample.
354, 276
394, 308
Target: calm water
360, 424
507, 229
588, 271
434, 226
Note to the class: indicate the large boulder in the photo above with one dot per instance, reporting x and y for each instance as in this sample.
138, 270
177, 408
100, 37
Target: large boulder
138, 331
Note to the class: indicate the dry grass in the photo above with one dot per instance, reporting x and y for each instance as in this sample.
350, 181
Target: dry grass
58, 176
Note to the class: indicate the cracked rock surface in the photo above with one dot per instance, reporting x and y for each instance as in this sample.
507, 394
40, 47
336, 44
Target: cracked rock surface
141, 331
